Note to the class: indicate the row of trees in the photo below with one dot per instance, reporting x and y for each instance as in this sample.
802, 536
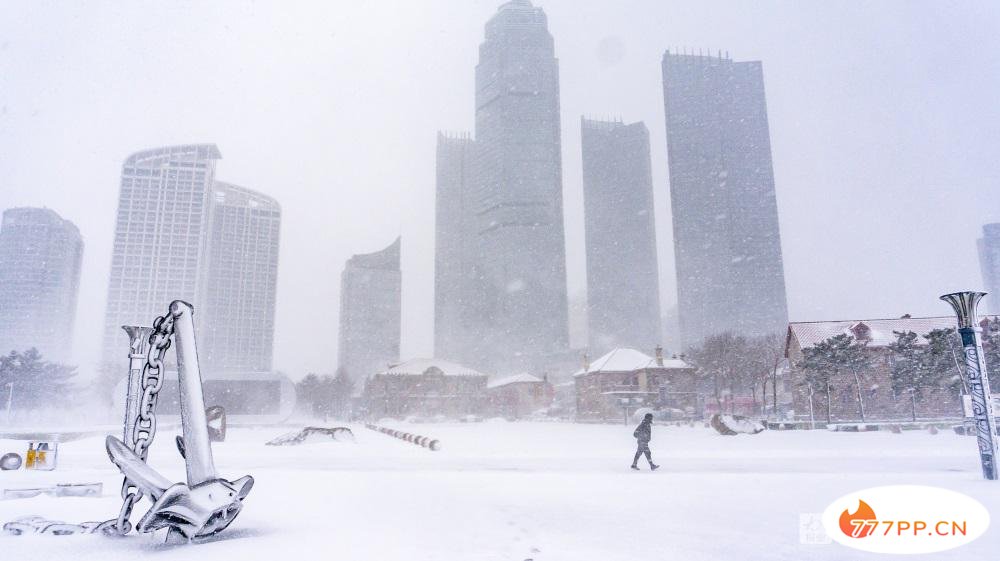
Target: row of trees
732, 364
918, 365
326, 396
31, 381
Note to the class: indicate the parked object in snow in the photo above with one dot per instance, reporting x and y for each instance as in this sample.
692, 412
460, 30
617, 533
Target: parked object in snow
215, 418
730, 425
313, 434
10, 461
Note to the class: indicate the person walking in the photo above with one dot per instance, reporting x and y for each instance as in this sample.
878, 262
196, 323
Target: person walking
643, 434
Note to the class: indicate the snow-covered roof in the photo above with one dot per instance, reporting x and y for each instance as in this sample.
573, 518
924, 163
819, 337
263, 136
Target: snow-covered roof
418, 366
878, 332
515, 379
629, 360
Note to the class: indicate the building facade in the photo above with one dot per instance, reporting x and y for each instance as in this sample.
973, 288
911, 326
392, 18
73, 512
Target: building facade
518, 396
237, 332
520, 300
161, 239
454, 229
727, 245
424, 387
989, 264
370, 312
623, 292
40, 256
613, 387
880, 400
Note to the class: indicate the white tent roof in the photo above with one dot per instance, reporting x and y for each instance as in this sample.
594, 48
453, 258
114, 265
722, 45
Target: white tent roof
629, 360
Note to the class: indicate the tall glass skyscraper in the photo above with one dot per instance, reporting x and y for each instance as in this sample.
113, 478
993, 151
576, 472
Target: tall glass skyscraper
623, 293
520, 255
989, 264
161, 238
727, 244
183, 235
40, 255
370, 312
454, 229
239, 298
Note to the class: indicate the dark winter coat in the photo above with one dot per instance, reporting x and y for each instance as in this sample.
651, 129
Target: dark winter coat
643, 432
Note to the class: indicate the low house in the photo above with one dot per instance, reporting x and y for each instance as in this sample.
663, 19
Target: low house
518, 396
612, 387
425, 387
880, 400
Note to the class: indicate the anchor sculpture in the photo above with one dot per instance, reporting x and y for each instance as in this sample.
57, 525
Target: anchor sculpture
205, 504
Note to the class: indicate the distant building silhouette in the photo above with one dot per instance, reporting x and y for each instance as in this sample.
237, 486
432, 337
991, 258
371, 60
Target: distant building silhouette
454, 231
730, 274
370, 312
40, 255
989, 264
161, 243
520, 264
238, 305
623, 294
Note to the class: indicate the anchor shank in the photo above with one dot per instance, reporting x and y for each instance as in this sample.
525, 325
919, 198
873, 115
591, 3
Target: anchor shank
198, 449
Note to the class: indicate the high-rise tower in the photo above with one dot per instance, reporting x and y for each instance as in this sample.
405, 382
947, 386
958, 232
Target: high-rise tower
161, 242
370, 312
40, 255
237, 308
520, 255
989, 264
730, 275
623, 294
454, 229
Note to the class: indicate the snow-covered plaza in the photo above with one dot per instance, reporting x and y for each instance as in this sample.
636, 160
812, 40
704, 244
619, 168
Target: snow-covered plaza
515, 491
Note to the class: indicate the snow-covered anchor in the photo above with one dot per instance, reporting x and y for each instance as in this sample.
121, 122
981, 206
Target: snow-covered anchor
206, 503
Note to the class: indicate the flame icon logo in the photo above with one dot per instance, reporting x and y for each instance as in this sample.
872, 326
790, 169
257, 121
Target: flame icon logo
854, 526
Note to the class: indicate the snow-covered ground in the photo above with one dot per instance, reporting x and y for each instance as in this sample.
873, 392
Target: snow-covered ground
515, 491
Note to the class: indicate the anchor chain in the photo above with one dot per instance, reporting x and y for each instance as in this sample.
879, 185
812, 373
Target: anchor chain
143, 433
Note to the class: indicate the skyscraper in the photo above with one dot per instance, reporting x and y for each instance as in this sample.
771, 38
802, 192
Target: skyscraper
989, 264
623, 294
237, 308
40, 256
370, 312
730, 275
453, 231
520, 262
161, 242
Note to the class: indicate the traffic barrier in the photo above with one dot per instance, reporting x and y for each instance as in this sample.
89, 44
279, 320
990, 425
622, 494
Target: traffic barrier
419, 440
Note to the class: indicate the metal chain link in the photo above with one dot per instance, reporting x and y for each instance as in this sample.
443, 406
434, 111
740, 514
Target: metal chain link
143, 433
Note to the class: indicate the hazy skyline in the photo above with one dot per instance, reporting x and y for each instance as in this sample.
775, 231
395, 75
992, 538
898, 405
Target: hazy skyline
883, 115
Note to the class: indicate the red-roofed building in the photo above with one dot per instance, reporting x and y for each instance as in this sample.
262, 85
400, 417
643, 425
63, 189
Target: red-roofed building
425, 387
881, 401
518, 396
612, 387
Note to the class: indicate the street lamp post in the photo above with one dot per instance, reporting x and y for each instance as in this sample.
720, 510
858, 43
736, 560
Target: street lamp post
977, 378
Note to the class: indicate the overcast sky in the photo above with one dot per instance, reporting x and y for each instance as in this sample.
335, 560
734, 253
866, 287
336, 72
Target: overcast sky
885, 129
